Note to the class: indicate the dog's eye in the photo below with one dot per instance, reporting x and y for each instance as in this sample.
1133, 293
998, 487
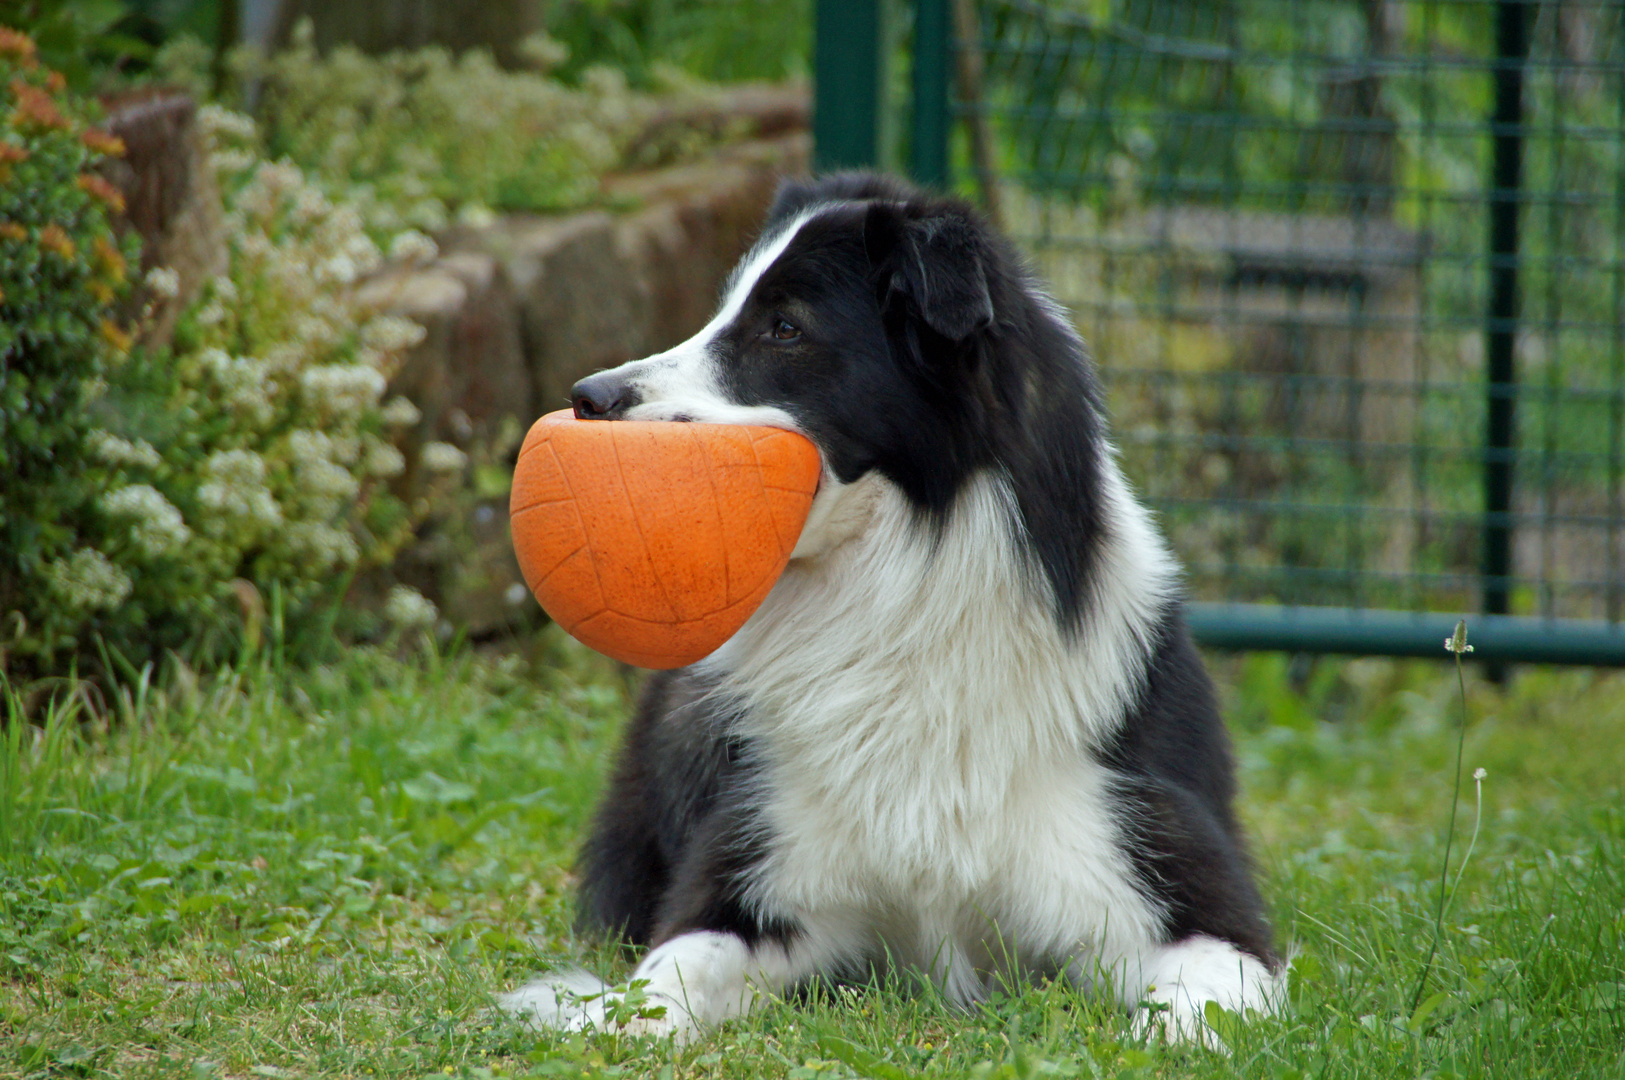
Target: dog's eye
783, 331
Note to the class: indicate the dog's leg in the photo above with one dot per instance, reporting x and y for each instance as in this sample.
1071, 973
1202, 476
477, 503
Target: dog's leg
1173, 983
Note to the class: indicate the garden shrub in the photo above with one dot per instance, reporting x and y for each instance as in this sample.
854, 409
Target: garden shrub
158, 498
61, 271
414, 137
421, 138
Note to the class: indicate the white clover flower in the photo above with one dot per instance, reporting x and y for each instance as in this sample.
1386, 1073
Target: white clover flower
155, 525
412, 246
223, 289
116, 451
392, 333
321, 545
87, 581
408, 609
1479, 774
236, 489
384, 460
164, 282
342, 388
442, 457
400, 412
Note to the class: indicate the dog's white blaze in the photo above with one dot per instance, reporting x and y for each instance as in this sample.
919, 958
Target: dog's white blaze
684, 381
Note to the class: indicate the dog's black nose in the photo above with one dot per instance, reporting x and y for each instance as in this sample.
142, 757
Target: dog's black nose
605, 396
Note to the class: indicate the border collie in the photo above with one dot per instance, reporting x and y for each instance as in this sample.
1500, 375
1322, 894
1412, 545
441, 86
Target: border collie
967, 735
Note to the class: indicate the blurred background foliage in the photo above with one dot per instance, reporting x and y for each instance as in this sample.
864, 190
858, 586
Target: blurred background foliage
713, 40
169, 491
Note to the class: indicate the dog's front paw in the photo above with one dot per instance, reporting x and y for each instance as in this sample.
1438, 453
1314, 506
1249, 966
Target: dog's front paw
635, 1012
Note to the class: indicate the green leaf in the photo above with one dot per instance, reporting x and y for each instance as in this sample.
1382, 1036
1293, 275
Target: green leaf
1426, 1009
864, 1061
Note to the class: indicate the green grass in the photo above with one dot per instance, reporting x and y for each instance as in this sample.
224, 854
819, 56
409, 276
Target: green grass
329, 872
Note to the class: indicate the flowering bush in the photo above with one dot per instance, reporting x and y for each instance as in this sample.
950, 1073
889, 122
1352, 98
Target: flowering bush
153, 499
61, 271
413, 137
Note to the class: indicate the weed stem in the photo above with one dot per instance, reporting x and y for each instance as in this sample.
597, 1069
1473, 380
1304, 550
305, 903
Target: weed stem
1457, 644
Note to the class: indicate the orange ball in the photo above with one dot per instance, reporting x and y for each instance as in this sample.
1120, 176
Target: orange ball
653, 542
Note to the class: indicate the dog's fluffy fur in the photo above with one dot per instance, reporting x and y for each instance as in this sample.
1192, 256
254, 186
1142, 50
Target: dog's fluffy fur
967, 731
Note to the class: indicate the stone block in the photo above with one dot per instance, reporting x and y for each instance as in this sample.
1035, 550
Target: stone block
170, 196
469, 372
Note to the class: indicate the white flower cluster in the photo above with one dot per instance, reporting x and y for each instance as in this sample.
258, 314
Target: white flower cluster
442, 457
409, 609
342, 389
241, 383
384, 461
322, 546
318, 473
417, 138
87, 581
236, 490
392, 334
112, 450
163, 282
400, 413
412, 246
156, 526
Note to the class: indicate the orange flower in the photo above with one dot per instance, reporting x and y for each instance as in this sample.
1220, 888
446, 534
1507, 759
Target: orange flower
99, 188
102, 142
54, 238
109, 258
35, 109
10, 230
116, 336
18, 45
54, 82
9, 155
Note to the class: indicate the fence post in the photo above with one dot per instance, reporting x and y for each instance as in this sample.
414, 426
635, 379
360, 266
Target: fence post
848, 39
1501, 324
932, 120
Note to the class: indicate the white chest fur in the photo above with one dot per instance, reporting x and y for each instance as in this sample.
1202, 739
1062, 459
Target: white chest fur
925, 731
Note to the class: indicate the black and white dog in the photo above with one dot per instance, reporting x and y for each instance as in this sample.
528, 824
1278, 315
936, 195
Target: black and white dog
967, 731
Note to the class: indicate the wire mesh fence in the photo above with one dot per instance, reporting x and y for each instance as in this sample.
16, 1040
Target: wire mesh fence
1354, 273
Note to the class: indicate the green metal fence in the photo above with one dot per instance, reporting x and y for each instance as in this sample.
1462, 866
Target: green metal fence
1354, 272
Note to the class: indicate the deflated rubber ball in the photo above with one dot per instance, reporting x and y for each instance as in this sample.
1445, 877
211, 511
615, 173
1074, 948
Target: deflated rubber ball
653, 542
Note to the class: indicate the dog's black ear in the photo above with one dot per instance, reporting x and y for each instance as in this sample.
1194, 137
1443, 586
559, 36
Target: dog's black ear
938, 261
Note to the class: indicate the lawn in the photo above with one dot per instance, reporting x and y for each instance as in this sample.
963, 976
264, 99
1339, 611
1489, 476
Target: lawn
329, 871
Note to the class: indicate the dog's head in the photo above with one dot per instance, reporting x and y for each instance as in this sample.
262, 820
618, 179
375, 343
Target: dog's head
894, 329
